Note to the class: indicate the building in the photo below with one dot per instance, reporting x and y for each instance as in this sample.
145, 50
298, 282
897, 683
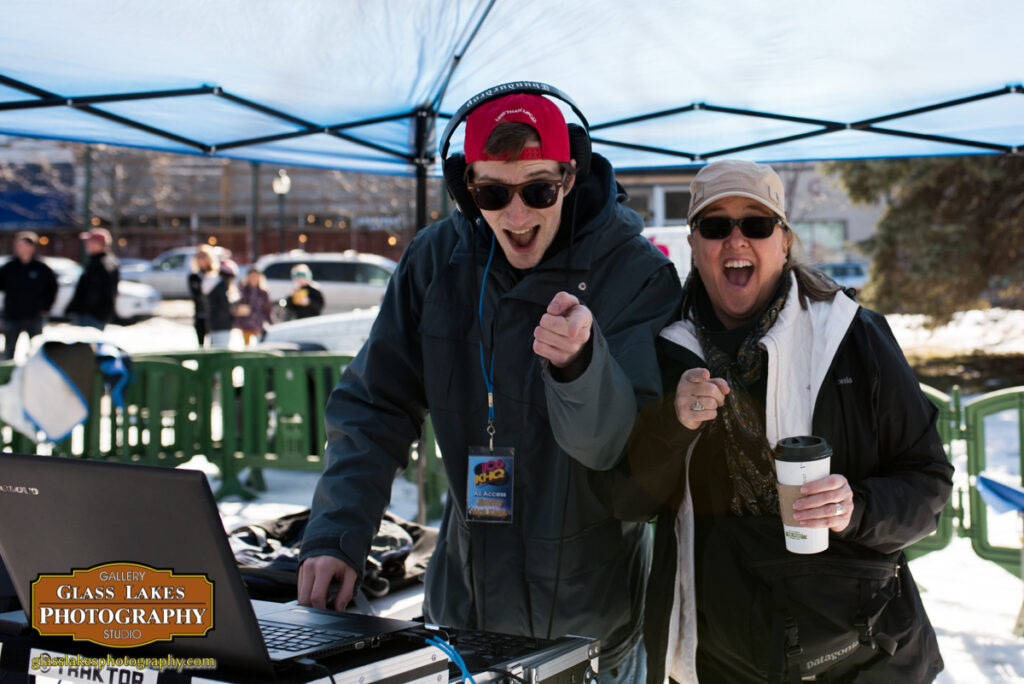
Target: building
153, 201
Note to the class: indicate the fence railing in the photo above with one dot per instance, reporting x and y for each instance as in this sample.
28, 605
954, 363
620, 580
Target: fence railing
238, 409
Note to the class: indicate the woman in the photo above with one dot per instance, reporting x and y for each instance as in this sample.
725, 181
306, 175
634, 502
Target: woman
305, 300
201, 280
768, 348
253, 310
222, 299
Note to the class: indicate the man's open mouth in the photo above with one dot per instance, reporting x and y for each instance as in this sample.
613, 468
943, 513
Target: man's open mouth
523, 239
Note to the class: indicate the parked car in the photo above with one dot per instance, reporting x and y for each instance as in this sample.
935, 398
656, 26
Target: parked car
847, 273
134, 300
129, 265
168, 273
348, 280
338, 332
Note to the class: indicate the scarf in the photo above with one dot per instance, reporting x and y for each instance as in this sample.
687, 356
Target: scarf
740, 424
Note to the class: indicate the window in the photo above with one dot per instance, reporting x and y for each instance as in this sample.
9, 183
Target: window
822, 240
282, 270
173, 262
332, 271
640, 202
371, 274
677, 203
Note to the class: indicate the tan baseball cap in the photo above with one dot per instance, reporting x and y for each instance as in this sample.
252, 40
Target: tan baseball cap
735, 178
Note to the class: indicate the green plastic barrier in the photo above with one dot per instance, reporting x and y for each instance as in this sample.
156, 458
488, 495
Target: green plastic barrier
948, 427
428, 475
975, 412
158, 425
270, 412
203, 362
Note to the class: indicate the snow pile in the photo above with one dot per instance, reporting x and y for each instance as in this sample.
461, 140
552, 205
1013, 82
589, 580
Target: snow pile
991, 331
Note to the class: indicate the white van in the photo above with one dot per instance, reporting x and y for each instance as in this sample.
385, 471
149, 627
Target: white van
673, 243
348, 280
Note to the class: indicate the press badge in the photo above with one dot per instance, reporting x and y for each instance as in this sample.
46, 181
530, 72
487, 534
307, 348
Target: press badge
489, 484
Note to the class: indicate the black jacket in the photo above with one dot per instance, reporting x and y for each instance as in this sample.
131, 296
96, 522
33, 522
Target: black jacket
97, 288
423, 354
219, 306
882, 431
29, 289
314, 307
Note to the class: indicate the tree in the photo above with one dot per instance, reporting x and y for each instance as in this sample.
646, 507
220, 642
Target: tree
952, 237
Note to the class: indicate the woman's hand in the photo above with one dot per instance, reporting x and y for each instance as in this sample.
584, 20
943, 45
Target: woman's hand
827, 502
698, 397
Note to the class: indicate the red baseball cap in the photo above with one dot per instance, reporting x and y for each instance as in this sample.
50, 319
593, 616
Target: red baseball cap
533, 110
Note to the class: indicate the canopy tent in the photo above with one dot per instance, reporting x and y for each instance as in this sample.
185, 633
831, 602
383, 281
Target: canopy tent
361, 85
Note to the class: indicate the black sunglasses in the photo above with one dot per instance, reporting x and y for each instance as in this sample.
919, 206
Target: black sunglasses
536, 194
752, 227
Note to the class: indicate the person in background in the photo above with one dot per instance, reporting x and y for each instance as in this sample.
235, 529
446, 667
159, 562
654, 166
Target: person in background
221, 300
29, 288
769, 348
253, 310
202, 279
306, 300
92, 304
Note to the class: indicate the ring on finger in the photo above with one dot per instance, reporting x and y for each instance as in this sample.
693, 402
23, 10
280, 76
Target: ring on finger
839, 508
696, 405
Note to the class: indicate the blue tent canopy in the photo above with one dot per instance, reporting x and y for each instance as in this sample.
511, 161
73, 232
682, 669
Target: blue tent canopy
367, 86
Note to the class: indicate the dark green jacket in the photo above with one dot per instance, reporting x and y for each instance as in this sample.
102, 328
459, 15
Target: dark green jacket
423, 355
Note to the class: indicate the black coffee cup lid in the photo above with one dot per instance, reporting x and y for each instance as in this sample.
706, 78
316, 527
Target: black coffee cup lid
802, 448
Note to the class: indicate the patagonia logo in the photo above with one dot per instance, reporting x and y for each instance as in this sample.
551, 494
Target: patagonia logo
832, 657
846, 381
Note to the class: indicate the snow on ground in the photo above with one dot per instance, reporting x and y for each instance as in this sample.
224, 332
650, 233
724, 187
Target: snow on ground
992, 331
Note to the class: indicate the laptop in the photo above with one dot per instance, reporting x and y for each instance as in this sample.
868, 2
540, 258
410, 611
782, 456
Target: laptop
61, 514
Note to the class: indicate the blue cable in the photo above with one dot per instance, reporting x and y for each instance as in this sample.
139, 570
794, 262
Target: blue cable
450, 651
488, 379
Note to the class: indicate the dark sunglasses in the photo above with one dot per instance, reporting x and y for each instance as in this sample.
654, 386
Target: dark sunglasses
752, 227
536, 194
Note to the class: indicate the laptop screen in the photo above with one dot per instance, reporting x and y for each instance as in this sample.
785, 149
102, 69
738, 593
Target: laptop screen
59, 515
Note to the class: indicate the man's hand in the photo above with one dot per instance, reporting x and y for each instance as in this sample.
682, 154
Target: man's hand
317, 577
698, 396
563, 331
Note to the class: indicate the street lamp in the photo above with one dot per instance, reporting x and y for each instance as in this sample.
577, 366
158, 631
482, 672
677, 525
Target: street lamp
282, 184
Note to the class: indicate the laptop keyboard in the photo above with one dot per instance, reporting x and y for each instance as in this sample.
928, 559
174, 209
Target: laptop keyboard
295, 638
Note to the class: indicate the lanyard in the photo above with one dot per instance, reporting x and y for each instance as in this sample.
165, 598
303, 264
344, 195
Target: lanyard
488, 377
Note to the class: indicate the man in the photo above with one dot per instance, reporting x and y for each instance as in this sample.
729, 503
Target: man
92, 304
29, 288
523, 381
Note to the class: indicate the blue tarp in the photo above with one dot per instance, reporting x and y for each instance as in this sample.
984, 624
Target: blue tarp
1002, 497
338, 83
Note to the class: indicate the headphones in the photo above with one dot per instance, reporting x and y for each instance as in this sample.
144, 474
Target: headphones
454, 167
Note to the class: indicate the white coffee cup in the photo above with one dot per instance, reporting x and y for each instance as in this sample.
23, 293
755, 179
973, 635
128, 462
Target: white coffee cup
799, 460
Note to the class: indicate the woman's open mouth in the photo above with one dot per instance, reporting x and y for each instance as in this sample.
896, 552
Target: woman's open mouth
738, 272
